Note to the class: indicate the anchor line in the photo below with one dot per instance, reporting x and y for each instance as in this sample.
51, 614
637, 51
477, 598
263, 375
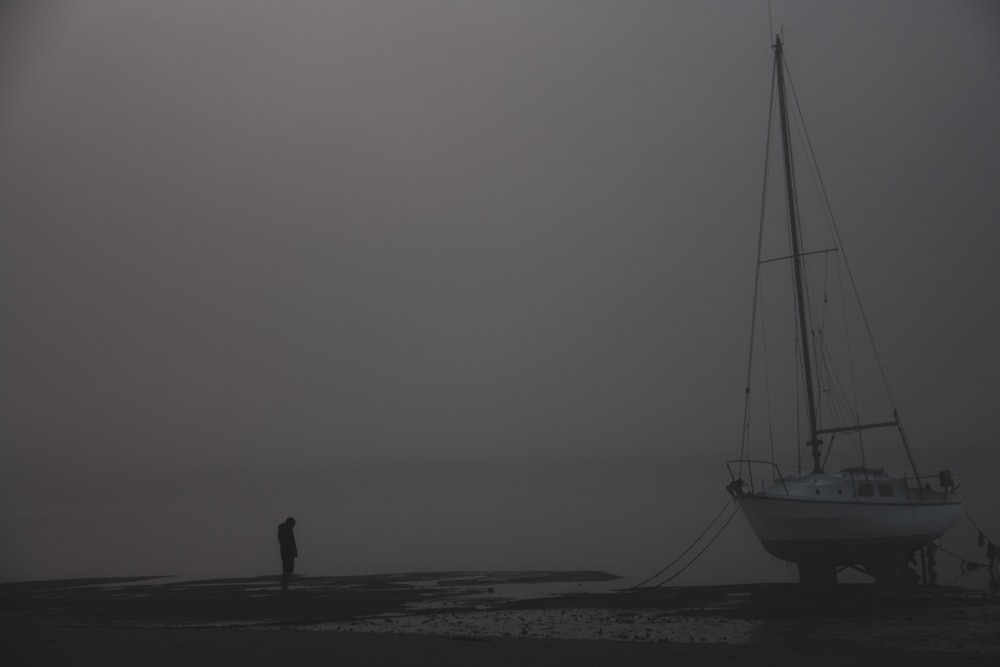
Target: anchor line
692, 546
992, 552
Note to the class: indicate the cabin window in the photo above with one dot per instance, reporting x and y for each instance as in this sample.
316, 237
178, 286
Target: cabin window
866, 490
885, 490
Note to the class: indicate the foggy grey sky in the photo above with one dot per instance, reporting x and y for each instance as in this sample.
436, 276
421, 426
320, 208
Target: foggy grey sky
479, 271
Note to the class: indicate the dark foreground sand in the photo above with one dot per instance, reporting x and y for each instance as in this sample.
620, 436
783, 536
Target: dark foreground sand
193, 648
487, 619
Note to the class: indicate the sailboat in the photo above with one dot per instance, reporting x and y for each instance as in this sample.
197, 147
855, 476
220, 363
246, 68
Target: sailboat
824, 520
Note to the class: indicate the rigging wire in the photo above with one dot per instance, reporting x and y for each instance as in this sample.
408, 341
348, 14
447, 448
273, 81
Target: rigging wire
767, 381
799, 401
835, 232
744, 444
847, 266
851, 367
824, 383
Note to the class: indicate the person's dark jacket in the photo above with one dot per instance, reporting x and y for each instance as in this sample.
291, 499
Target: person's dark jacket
286, 539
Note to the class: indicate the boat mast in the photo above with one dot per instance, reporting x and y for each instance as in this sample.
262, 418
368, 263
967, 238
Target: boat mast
814, 441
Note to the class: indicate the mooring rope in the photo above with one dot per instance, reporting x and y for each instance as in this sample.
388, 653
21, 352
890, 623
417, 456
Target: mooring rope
692, 546
703, 549
984, 541
976, 526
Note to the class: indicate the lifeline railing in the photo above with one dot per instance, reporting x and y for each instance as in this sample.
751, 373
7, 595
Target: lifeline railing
919, 485
738, 484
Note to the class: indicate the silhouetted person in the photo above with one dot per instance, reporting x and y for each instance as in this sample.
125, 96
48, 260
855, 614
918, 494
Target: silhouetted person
286, 540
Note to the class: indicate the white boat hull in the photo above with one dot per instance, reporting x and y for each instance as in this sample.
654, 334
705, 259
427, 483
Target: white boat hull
849, 532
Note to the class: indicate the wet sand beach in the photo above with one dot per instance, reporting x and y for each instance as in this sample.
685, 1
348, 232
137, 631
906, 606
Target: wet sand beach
487, 618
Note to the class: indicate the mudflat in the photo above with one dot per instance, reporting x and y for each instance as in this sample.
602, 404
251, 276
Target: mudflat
487, 618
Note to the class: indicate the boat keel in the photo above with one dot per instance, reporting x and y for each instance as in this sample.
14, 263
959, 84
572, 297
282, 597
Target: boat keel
817, 574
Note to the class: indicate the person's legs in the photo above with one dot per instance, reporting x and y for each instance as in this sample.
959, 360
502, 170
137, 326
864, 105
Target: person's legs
287, 565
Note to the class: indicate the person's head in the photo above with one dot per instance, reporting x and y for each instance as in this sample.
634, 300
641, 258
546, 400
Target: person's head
290, 521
